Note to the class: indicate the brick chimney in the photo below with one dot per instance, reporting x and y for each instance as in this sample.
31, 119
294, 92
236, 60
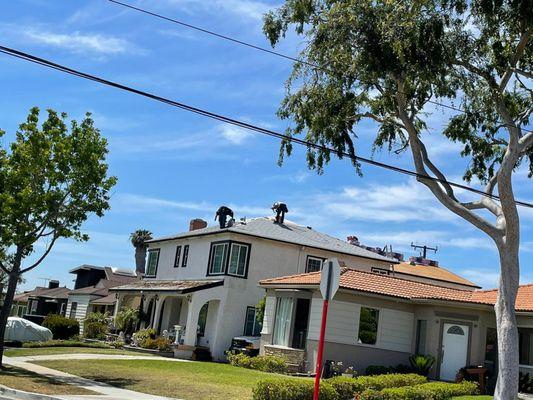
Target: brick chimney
197, 223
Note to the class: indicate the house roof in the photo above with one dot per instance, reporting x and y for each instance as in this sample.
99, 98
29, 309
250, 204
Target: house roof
112, 273
368, 282
55, 293
185, 286
103, 286
431, 272
107, 300
288, 232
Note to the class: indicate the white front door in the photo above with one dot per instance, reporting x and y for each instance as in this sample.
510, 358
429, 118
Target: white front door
454, 350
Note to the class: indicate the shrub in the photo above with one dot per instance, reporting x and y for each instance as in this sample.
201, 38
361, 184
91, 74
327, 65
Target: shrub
381, 369
126, 320
426, 391
117, 344
64, 343
346, 387
422, 364
61, 327
291, 389
273, 364
143, 335
94, 330
161, 344
97, 317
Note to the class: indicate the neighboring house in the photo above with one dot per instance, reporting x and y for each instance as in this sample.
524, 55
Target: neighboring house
36, 304
91, 290
377, 319
206, 280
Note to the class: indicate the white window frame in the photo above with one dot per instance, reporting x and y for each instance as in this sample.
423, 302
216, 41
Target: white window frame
226, 246
314, 258
240, 247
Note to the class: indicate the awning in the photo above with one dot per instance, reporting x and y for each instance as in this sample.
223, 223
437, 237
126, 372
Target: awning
178, 287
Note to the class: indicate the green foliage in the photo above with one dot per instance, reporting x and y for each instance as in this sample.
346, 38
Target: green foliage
64, 343
94, 330
160, 343
260, 310
139, 237
372, 56
143, 335
62, 328
426, 391
102, 318
381, 369
346, 386
422, 364
290, 389
274, 364
126, 320
117, 344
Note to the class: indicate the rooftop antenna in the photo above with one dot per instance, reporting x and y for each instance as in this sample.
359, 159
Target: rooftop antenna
46, 280
424, 249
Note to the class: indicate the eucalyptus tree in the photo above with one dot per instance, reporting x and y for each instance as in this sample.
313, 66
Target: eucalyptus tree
387, 61
52, 177
138, 240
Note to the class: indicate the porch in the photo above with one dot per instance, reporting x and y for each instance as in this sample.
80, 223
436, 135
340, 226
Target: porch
186, 312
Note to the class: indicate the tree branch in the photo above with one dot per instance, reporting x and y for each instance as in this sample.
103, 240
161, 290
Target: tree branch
526, 142
525, 74
433, 168
522, 43
43, 256
3, 268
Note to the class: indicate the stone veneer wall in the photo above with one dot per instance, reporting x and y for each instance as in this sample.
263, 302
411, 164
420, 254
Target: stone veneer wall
295, 357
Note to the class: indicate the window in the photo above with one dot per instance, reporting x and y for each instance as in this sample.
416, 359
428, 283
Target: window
177, 257
185, 256
219, 252
421, 332
63, 308
368, 326
73, 309
33, 309
456, 330
202, 319
153, 261
491, 346
525, 342
238, 259
252, 327
314, 264
229, 258
282, 322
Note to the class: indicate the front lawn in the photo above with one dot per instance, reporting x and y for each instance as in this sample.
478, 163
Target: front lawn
185, 380
16, 378
38, 351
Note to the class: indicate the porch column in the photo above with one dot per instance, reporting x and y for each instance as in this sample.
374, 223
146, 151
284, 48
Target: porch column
118, 296
192, 322
157, 311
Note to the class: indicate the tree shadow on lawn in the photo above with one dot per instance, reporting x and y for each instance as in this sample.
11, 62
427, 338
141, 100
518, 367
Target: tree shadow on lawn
22, 373
121, 383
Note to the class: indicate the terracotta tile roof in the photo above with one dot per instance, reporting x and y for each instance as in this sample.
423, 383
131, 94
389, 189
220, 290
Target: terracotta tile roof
185, 286
402, 288
430, 272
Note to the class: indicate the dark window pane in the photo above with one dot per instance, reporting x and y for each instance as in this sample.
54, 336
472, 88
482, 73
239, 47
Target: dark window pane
368, 325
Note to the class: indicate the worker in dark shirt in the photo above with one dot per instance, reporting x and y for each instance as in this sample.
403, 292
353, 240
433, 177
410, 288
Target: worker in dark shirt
222, 214
280, 209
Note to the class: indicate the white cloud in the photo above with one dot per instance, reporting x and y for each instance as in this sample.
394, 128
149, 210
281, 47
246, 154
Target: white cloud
245, 8
233, 134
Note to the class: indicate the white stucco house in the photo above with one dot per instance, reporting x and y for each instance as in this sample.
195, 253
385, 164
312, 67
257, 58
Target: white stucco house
205, 280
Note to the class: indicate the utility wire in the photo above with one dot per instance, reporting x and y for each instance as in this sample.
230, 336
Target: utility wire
241, 124
263, 49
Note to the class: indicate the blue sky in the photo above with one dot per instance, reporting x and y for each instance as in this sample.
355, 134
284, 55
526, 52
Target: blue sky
173, 166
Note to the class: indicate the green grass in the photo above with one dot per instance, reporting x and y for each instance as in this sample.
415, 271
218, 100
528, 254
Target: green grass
185, 380
473, 398
41, 351
16, 378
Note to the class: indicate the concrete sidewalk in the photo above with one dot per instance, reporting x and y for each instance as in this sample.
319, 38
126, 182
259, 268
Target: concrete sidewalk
105, 391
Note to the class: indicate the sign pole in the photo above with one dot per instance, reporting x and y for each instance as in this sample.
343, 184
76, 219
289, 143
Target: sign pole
320, 354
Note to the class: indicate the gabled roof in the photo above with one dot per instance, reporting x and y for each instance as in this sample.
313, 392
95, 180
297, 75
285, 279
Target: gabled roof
430, 272
288, 232
367, 282
54, 293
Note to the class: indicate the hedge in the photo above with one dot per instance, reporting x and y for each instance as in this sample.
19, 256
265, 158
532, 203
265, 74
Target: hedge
61, 327
94, 330
291, 389
65, 343
273, 364
426, 391
347, 387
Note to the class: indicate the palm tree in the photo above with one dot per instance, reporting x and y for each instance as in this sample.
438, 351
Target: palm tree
138, 240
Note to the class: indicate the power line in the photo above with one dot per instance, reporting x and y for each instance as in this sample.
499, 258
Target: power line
235, 122
263, 49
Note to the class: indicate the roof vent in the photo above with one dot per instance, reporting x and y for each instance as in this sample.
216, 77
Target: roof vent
280, 209
222, 215
423, 261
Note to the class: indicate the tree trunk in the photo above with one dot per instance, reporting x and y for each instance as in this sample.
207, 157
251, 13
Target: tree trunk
6, 309
508, 351
140, 260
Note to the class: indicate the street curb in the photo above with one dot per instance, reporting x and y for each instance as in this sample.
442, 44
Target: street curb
21, 394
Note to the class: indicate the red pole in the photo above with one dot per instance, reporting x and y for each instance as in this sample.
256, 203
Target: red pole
320, 350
